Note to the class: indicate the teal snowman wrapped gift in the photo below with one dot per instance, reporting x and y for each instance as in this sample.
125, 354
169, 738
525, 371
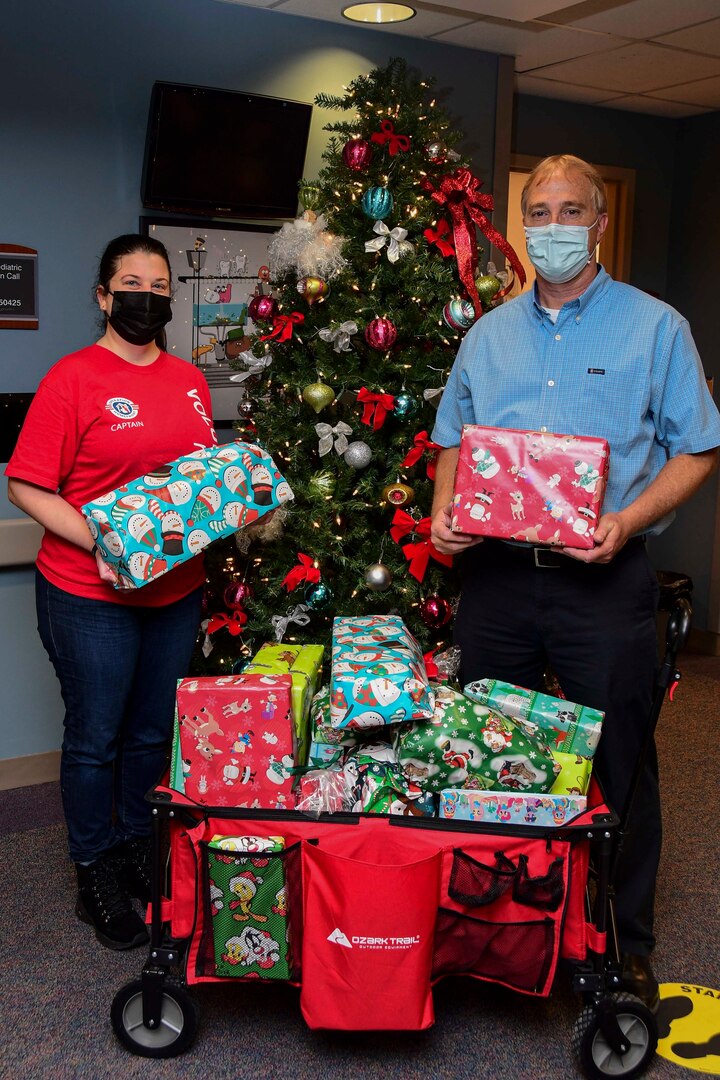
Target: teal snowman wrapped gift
328, 745
468, 745
565, 726
378, 674
147, 526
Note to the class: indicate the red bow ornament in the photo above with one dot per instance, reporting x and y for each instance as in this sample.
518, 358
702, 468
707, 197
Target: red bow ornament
234, 622
422, 442
431, 667
304, 571
375, 407
387, 135
418, 554
437, 237
283, 326
459, 194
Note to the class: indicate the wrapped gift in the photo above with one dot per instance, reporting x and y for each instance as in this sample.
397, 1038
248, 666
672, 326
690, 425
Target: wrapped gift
303, 663
468, 745
380, 785
237, 739
574, 774
529, 486
146, 527
565, 726
249, 912
490, 807
378, 674
327, 744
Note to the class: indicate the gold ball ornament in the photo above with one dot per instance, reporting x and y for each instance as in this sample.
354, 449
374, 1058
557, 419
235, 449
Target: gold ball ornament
312, 288
398, 494
318, 395
488, 286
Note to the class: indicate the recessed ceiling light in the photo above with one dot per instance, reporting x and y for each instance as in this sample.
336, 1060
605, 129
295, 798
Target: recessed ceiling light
379, 13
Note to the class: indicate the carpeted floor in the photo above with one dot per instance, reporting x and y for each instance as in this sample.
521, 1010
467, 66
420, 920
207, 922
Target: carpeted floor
58, 982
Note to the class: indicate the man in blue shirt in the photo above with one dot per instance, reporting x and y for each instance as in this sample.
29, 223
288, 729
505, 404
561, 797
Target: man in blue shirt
582, 354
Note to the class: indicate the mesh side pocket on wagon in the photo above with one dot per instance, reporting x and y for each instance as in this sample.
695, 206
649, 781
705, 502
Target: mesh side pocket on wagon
475, 884
545, 892
520, 955
252, 914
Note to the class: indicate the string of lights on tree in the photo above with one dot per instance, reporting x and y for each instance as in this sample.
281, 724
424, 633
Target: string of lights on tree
373, 288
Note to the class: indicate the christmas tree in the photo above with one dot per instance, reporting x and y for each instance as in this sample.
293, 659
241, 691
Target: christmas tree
370, 292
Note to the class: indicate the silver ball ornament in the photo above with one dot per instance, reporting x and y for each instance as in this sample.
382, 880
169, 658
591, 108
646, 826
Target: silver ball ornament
378, 577
358, 455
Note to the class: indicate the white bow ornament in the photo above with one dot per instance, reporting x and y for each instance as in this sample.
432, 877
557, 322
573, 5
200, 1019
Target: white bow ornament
398, 246
340, 335
326, 434
297, 615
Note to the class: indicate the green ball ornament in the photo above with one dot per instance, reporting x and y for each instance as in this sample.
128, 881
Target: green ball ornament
488, 286
378, 577
318, 395
323, 483
406, 406
377, 203
310, 195
319, 597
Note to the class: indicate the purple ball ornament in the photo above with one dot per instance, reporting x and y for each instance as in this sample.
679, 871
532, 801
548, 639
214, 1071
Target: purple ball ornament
435, 611
262, 308
381, 334
459, 314
237, 594
357, 154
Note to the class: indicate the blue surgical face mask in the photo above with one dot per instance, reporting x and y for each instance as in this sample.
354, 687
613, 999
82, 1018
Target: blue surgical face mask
559, 252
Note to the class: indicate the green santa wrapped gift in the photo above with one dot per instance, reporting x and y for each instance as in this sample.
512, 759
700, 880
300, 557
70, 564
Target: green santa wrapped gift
380, 785
468, 745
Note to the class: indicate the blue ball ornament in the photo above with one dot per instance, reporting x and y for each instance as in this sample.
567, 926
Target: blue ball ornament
459, 314
318, 597
406, 406
377, 203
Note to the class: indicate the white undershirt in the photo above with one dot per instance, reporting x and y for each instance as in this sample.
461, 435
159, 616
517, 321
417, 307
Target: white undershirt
553, 313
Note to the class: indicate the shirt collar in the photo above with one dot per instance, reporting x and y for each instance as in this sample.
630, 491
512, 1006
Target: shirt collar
595, 289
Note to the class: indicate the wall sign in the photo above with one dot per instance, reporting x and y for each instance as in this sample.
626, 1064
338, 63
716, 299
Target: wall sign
18, 288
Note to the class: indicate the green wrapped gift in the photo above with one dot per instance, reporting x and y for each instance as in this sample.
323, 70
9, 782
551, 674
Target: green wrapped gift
304, 665
249, 908
468, 745
381, 785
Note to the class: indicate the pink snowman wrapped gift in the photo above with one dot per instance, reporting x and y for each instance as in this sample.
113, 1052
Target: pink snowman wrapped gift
378, 674
146, 527
531, 486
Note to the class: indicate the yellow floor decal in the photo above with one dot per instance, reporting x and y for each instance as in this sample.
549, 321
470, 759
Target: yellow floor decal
689, 1026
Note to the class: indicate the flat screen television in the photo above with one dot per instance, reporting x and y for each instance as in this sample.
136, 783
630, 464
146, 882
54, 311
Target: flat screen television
223, 153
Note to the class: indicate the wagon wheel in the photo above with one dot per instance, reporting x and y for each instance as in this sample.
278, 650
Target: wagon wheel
173, 1035
637, 1028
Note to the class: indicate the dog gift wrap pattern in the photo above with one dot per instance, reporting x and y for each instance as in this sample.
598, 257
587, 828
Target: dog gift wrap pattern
378, 674
530, 486
146, 527
468, 745
237, 740
565, 726
303, 663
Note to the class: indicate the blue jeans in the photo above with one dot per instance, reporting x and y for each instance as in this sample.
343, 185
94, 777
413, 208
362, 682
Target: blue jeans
118, 668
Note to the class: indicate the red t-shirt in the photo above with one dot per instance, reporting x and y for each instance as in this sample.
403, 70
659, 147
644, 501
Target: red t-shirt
96, 422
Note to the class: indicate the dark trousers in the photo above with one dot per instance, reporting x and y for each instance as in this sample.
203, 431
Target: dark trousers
595, 626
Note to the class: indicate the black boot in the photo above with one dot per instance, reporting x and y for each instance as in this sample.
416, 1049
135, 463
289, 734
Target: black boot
134, 863
104, 904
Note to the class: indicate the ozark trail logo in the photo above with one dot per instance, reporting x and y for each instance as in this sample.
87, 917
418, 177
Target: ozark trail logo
122, 407
385, 941
339, 938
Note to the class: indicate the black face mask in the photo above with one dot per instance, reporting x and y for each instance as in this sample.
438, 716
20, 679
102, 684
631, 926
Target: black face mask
138, 317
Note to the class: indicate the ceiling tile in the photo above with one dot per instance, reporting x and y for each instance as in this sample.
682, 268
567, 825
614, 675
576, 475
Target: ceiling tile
641, 103
519, 10
532, 48
704, 38
703, 92
251, 3
649, 18
528, 84
634, 68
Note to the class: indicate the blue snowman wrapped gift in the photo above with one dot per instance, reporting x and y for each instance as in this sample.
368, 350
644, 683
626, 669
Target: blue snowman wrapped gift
147, 526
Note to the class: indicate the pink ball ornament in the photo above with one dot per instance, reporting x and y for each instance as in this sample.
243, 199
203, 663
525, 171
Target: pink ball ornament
237, 594
262, 308
381, 334
435, 611
357, 154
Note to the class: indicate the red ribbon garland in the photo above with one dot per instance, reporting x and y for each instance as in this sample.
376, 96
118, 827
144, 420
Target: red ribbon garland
283, 326
422, 442
376, 407
417, 554
437, 237
430, 666
304, 571
234, 622
460, 195
387, 135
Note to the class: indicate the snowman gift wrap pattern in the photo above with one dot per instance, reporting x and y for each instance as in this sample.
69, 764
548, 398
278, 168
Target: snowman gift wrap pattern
529, 486
378, 674
146, 527
467, 745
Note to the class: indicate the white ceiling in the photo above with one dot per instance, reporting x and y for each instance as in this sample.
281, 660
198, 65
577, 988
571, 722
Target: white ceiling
651, 56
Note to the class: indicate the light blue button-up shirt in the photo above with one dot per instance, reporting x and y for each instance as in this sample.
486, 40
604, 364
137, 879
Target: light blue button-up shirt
617, 364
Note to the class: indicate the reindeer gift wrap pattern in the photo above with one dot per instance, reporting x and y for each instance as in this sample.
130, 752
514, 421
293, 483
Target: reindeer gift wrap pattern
303, 663
237, 740
146, 527
492, 808
467, 745
378, 674
530, 486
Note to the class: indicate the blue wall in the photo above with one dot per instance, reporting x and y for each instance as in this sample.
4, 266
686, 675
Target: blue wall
73, 141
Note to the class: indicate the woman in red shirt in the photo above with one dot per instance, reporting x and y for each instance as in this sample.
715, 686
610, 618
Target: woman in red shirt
101, 417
